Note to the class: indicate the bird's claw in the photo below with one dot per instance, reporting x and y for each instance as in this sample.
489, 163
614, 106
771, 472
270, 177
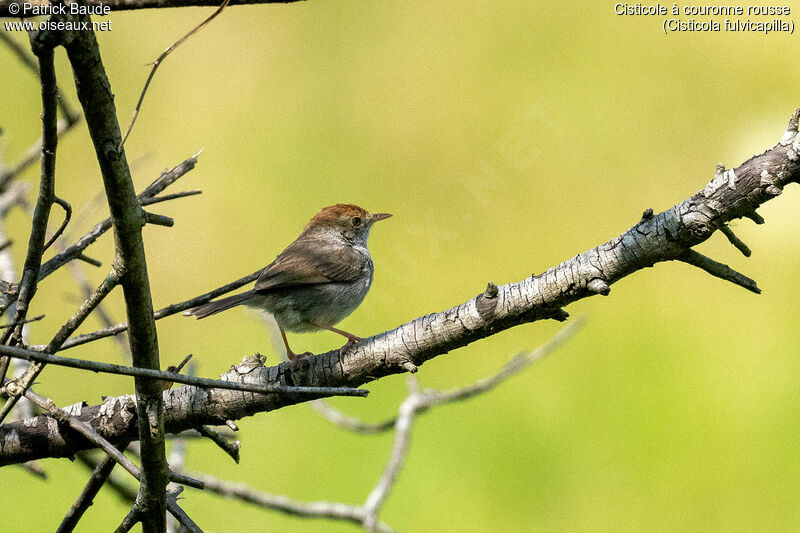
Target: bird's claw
295, 358
349, 344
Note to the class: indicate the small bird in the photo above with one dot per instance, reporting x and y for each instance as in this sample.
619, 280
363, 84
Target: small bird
318, 280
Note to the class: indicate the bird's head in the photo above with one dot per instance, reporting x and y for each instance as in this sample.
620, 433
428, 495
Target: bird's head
350, 221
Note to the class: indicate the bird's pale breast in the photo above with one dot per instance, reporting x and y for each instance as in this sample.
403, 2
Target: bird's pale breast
298, 308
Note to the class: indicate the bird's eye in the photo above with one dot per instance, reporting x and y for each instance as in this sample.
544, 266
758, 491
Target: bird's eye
356, 221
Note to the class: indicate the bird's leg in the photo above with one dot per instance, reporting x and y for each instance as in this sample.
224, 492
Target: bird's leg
293, 357
351, 339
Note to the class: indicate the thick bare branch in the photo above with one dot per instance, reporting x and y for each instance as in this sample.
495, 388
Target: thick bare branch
96, 98
658, 237
66, 419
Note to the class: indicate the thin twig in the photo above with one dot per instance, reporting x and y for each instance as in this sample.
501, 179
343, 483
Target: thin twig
35, 468
164, 312
177, 368
128, 522
126, 493
402, 440
174, 196
158, 220
418, 402
229, 447
734, 240
67, 216
13, 196
181, 516
160, 59
77, 271
41, 214
276, 502
42, 358
719, 270
146, 197
99, 476
86, 259
516, 364
26, 321
33, 371
350, 423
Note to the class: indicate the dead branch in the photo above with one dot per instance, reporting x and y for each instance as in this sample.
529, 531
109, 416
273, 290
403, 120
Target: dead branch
41, 214
655, 238
127, 218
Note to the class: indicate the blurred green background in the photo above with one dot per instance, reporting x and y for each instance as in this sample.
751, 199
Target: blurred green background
505, 138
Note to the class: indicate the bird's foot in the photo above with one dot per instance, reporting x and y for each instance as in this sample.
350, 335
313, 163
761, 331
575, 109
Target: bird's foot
351, 341
295, 358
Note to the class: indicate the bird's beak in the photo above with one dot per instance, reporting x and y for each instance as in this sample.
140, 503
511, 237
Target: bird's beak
379, 216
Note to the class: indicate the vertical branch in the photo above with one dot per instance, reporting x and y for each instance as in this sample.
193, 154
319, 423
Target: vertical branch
41, 214
94, 93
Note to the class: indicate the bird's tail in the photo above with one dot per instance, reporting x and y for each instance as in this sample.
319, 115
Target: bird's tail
217, 306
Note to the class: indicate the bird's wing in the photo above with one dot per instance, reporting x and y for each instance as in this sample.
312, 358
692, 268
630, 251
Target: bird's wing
306, 262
